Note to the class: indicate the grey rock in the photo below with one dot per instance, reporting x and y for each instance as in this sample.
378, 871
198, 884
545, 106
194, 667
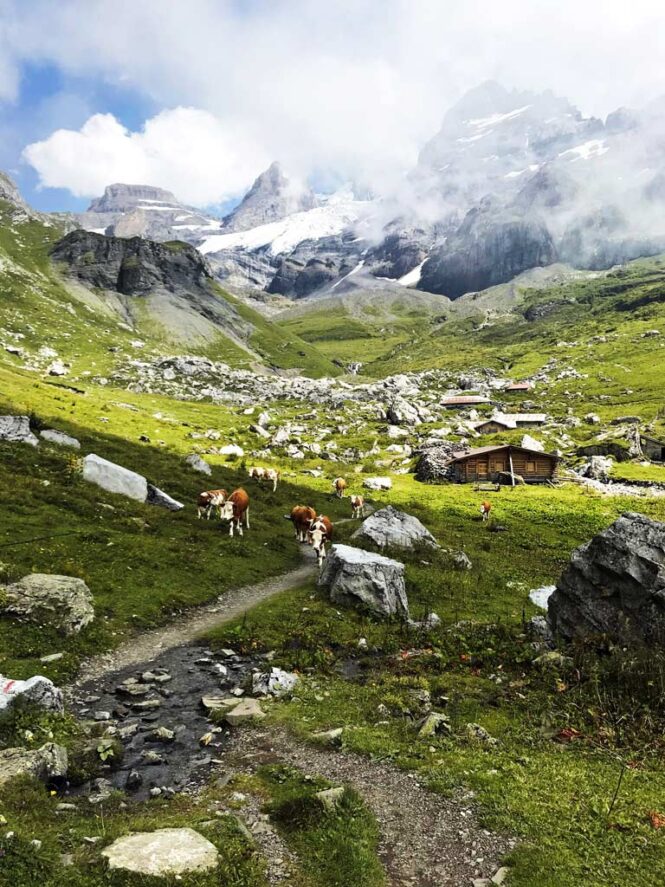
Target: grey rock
63, 602
168, 851
275, 682
16, 429
60, 438
163, 500
389, 527
377, 483
47, 762
614, 585
359, 578
114, 478
330, 798
198, 464
37, 690
247, 710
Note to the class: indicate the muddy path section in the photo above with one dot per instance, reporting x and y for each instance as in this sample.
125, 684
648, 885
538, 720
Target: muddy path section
148, 646
427, 840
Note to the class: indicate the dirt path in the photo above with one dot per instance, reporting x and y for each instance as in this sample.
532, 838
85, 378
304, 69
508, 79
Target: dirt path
149, 645
427, 840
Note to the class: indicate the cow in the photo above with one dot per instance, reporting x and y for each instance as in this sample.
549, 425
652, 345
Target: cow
339, 485
269, 474
357, 507
301, 517
235, 509
209, 500
485, 509
320, 531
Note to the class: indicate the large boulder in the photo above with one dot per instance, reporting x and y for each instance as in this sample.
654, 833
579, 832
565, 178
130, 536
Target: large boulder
37, 690
198, 464
614, 585
167, 851
46, 763
434, 460
63, 602
390, 527
60, 438
358, 578
16, 429
114, 478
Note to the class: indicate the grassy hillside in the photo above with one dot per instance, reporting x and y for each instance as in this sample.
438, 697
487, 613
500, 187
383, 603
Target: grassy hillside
91, 330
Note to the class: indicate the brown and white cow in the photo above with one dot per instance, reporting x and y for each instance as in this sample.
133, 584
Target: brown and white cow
485, 509
301, 517
209, 500
272, 476
339, 485
256, 473
357, 507
320, 531
235, 509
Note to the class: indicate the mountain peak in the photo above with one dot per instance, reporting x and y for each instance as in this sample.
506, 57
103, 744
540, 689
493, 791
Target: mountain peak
121, 198
272, 197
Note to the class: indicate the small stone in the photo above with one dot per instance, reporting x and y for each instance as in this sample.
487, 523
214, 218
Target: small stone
247, 710
330, 798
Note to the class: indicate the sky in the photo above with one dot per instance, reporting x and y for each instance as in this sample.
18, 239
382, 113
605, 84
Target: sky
199, 97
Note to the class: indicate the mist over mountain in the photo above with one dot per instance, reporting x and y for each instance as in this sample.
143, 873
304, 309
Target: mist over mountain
511, 181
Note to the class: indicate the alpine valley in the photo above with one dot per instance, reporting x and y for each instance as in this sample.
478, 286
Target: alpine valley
446, 666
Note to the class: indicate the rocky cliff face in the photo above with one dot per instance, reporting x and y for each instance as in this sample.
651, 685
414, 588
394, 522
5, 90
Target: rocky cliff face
131, 266
145, 211
490, 247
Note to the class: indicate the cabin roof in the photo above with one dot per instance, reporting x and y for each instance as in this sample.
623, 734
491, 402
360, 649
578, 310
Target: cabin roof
481, 451
519, 386
463, 399
511, 420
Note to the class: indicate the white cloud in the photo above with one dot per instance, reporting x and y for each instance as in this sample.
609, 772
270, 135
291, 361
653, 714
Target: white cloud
186, 150
355, 86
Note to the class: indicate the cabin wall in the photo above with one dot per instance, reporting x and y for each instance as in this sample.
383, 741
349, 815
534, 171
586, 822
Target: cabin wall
534, 469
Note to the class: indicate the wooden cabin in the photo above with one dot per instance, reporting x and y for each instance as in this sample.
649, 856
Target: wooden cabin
497, 464
653, 449
509, 422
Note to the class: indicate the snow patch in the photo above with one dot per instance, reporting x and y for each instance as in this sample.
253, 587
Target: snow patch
353, 271
494, 119
339, 212
590, 149
413, 276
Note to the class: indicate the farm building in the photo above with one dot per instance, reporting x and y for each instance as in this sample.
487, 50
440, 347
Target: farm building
517, 387
497, 464
653, 449
464, 400
509, 422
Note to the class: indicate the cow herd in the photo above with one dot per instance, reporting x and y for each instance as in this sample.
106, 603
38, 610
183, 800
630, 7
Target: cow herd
310, 528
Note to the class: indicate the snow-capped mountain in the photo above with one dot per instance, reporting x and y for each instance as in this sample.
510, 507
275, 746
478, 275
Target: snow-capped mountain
513, 180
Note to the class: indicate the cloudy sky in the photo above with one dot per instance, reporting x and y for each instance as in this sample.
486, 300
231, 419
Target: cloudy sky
200, 96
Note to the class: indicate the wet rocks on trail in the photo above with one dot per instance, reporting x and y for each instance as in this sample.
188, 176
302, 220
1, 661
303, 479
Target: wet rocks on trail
614, 585
172, 717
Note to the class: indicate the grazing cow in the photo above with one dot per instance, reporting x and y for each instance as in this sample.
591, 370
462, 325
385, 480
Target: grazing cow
485, 509
209, 500
301, 517
320, 531
271, 475
357, 507
256, 473
339, 485
235, 509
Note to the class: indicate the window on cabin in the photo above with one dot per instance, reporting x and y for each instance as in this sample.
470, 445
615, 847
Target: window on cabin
531, 467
